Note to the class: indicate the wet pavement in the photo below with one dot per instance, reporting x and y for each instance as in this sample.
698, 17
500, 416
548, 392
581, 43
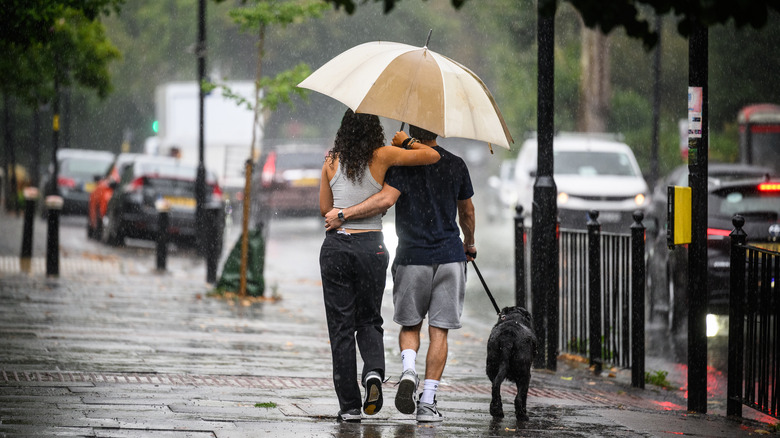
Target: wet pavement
112, 348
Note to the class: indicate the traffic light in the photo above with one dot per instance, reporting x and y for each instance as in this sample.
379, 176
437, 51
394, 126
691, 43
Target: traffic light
155, 126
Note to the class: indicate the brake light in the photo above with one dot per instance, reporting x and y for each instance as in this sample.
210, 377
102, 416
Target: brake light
769, 187
66, 182
136, 184
269, 169
717, 232
216, 192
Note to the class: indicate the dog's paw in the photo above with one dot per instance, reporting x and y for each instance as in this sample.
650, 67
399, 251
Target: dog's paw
496, 410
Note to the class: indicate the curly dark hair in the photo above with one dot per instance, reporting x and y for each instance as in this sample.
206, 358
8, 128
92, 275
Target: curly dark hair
357, 138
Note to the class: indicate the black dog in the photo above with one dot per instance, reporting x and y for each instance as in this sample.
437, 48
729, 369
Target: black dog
510, 352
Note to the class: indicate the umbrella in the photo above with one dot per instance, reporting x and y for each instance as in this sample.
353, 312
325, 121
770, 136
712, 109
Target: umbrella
414, 85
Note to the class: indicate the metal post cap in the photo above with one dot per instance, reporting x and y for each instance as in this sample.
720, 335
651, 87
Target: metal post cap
54, 202
30, 193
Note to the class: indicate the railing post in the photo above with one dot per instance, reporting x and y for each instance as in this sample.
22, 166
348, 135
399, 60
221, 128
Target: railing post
53, 206
163, 220
594, 290
214, 224
734, 390
638, 301
520, 297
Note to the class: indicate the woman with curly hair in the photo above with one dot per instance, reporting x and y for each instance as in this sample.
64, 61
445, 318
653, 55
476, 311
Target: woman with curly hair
353, 258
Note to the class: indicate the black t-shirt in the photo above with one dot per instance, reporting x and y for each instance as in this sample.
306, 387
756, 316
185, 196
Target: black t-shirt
427, 210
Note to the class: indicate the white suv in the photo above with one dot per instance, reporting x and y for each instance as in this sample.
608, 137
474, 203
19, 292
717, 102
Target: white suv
592, 172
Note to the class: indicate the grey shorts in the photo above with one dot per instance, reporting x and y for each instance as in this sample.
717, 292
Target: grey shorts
435, 290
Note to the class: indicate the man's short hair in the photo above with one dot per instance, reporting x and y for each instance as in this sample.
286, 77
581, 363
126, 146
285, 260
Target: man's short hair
421, 134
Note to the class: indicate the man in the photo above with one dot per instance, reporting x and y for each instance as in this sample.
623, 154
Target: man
429, 271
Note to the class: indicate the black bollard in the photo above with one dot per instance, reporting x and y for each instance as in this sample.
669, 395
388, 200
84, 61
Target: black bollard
520, 296
163, 219
214, 218
30, 198
638, 301
594, 290
53, 207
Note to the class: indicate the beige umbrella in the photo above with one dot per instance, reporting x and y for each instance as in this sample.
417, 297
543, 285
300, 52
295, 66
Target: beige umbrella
414, 85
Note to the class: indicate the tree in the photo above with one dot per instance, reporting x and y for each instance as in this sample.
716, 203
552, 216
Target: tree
269, 92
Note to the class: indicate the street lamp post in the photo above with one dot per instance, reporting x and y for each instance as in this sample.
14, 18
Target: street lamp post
544, 245
200, 178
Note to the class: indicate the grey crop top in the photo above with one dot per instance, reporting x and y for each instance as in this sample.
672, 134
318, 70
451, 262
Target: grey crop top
347, 193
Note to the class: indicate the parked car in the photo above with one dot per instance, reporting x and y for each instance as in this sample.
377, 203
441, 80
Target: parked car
77, 173
131, 210
591, 172
502, 197
288, 181
98, 199
732, 189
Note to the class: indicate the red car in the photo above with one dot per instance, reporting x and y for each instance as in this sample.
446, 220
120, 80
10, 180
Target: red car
98, 199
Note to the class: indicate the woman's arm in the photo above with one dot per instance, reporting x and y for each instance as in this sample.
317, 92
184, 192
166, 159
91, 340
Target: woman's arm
326, 194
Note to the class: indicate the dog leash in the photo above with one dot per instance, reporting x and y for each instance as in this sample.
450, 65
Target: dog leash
492, 300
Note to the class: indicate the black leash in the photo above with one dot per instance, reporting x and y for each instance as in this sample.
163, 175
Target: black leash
492, 300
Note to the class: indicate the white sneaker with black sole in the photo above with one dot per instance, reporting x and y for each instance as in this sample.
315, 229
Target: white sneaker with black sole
427, 412
406, 397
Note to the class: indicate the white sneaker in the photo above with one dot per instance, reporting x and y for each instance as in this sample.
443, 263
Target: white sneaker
427, 412
406, 397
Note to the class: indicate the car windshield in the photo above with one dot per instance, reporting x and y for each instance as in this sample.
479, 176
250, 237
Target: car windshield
592, 163
170, 170
744, 202
84, 166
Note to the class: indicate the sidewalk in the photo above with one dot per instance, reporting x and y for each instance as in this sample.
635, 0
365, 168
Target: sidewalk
96, 353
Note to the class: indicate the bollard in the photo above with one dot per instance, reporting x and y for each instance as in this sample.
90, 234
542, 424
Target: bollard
53, 207
163, 208
215, 221
638, 301
734, 391
30, 198
520, 296
594, 289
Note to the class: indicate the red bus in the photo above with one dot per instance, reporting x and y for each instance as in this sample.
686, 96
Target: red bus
759, 135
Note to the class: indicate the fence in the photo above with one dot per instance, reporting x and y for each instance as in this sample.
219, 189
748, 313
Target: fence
754, 327
601, 294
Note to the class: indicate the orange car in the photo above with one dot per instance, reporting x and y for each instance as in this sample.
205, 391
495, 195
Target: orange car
98, 199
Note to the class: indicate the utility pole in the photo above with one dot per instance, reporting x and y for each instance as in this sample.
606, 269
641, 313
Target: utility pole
698, 142
544, 242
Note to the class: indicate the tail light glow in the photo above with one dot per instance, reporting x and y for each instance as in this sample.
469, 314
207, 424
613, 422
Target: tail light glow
715, 232
136, 184
269, 169
769, 187
66, 182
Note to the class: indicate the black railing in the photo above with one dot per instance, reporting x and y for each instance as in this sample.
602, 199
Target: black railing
754, 327
601, 294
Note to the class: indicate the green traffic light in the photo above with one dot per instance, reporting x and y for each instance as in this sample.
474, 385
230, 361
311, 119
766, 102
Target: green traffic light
155, 126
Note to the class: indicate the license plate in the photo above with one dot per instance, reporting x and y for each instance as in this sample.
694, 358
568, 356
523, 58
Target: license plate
609, 217
89, 187
306, 182
176, 201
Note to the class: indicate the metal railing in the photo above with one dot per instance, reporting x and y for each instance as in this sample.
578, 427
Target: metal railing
754, 327
601, 294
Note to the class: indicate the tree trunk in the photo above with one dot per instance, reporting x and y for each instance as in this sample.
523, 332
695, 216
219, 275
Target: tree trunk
595, 89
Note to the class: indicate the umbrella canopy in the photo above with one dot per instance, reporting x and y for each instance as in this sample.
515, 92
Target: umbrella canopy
413, 85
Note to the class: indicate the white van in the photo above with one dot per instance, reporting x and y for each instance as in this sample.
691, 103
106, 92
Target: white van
591, 172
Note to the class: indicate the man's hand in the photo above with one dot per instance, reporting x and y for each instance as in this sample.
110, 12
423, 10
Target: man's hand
471, 252
399, 138
332, 220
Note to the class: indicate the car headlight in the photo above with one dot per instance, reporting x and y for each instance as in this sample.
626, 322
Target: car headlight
563, 198
639, 199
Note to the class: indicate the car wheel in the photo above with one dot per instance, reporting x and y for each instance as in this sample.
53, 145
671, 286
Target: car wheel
112, 234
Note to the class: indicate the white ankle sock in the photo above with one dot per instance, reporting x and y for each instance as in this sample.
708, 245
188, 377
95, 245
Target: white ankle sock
408, 357
429, 390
